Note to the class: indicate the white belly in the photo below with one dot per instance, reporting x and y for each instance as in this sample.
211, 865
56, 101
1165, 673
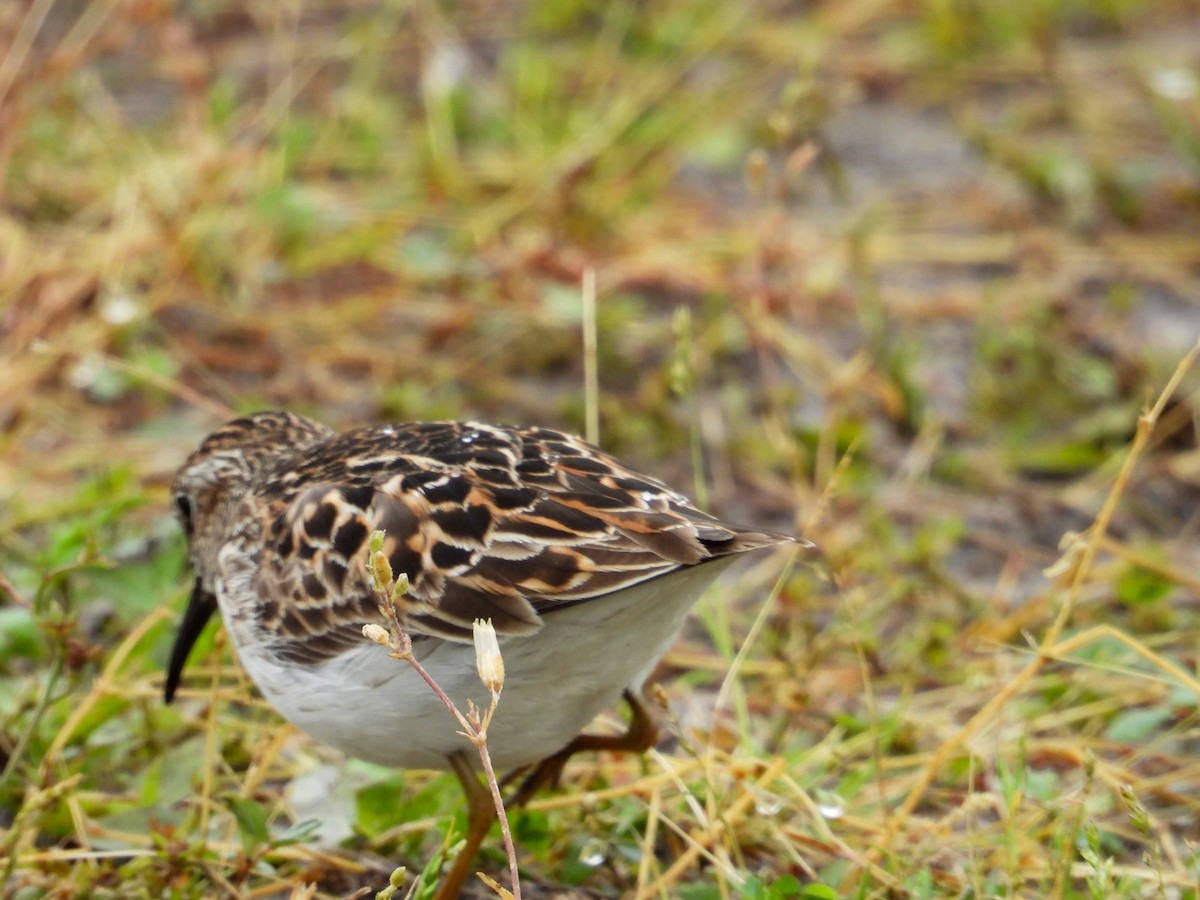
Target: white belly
556, 681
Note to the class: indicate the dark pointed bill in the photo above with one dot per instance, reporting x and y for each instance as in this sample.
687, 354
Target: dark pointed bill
199, 610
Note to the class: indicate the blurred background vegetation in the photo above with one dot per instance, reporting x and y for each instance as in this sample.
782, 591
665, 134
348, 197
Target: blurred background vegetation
900, 276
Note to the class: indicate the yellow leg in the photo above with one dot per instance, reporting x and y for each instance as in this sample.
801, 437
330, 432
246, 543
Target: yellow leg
480, 814
638, 738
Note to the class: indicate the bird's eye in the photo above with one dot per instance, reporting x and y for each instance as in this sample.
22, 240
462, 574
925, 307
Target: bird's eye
184, 507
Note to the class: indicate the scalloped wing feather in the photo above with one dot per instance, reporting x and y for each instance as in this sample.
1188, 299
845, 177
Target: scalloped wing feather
486, 522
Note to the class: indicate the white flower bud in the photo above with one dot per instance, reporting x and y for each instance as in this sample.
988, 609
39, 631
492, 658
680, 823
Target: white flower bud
373, 632
488, 661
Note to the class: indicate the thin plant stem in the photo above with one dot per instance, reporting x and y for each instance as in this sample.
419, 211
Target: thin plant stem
591, 367
474, 726
506, 833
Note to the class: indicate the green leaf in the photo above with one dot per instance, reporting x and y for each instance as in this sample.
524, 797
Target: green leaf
19, 634
818, 891
1137, 586
789, 886
784, 888
252, 821
377, 805
300, 833
1066, 458
1135, 725
1043, 784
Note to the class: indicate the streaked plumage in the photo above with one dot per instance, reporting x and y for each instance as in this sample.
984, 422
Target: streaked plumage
586, 569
